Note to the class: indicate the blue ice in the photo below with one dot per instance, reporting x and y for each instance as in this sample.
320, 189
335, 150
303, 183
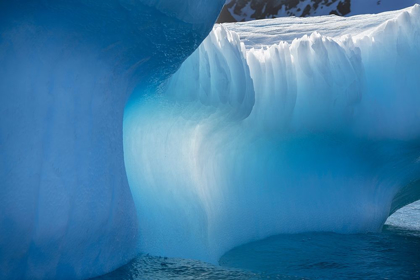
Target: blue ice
120, 133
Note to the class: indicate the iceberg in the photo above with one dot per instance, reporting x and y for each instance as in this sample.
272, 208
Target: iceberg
131, 126
259, 133
67, 70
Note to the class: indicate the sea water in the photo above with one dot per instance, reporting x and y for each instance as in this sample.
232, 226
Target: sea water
392, 254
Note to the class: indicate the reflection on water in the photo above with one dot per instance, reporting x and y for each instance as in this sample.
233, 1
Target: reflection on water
392, 254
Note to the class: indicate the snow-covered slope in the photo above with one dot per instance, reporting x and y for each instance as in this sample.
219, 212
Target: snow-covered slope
245, 10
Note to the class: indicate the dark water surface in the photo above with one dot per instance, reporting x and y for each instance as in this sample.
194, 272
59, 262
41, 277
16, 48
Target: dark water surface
392, 254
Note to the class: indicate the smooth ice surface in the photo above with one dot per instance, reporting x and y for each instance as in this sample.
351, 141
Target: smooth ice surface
67, 70
318, 133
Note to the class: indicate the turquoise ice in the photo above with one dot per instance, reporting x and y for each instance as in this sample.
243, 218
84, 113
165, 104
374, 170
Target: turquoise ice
120, 133
67, 70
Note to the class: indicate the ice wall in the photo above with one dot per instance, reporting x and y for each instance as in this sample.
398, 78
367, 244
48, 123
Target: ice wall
319, 134
67, 70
